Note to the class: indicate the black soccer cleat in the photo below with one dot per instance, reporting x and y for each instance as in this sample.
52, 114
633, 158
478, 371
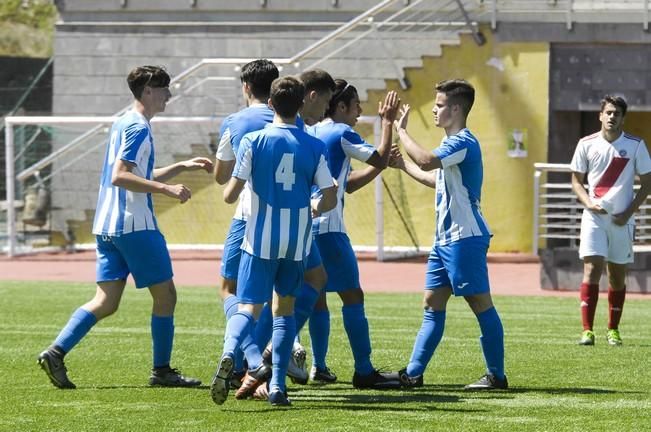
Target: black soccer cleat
408, 381
377, 380
489, 382
55, 369
170, 377
323, 376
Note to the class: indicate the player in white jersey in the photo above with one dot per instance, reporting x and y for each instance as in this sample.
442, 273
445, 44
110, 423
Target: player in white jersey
343, 144
128, 239
457, 263
282, 163
609, 161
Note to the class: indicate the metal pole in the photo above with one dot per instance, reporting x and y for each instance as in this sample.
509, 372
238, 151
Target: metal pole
10, 182
379, 198
536, 210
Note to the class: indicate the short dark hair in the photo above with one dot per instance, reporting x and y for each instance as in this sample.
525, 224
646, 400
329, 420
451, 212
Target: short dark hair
151, 76
344, 92
317, 80
618, 101
459, 92
287, 95
259, 74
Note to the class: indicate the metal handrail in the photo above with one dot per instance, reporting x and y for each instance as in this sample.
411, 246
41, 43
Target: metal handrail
363, 17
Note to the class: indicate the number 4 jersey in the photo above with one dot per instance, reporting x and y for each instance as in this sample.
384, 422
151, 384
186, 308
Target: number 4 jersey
282, 163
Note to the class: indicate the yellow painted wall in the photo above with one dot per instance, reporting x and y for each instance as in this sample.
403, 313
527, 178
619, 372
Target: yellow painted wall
516, 97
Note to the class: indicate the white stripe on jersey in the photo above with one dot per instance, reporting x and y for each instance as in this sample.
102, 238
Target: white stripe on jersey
265, 250
303, 220
102, 213
285, 215
463, 217
225, 149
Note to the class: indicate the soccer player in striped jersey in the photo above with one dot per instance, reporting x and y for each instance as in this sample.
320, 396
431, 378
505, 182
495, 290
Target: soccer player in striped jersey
256, 78
282, 163
128, 239
609, 161
457, 263
344, 144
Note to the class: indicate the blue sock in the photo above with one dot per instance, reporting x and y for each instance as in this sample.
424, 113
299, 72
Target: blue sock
284, 330
80, 323
320, 333
231, 305
356, 327
263, 329
304, 305
251, 351
238, 328
492, 341
428, 338
162, 336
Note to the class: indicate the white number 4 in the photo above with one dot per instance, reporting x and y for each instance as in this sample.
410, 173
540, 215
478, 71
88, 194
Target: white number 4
285, 171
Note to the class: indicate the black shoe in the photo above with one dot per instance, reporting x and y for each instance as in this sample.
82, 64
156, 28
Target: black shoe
324, 376
377, 380
489, 382
55, 369
408, 381
221, 380
170, 377
236, 379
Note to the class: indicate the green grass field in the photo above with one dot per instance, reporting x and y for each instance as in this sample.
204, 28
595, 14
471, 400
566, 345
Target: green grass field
555, 384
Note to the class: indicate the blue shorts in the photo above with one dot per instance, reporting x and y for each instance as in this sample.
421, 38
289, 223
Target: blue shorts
258, 278
232, 252
144, 254
339, 261
460, 265
313, 260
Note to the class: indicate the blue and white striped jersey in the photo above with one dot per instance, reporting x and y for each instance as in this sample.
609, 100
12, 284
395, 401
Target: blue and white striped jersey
120, 211
458, 189
234, 127
282, 163
342, 143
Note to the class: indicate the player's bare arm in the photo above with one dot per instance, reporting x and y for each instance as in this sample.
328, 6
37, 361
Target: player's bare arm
124, 177
327, 202
223, 170
645, 189
171, 171
388, 111
233, 190
425, 160
357, 179
582, 194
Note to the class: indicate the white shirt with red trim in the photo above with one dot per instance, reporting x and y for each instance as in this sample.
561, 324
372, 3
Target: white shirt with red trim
611, 168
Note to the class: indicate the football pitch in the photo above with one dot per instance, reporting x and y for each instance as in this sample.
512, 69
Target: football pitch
555, 384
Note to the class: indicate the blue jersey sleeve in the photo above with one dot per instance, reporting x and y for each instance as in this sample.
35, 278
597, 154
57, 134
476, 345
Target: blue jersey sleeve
452, 151
355, 147
134, 135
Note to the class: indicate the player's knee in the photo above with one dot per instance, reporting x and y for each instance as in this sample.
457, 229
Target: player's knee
228, 287
352, 296
316, 277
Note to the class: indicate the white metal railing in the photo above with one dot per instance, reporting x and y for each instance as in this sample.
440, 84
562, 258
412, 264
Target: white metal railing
557, 212
567, 11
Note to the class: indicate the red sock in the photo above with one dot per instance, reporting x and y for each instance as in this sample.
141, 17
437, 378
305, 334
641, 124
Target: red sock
589, 299
615, 306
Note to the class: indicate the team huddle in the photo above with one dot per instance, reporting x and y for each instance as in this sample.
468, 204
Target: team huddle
286, 160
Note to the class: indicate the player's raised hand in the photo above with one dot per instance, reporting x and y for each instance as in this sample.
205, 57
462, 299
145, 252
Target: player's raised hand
198, 163
178, 191
395, 158
388, 109
401, 122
